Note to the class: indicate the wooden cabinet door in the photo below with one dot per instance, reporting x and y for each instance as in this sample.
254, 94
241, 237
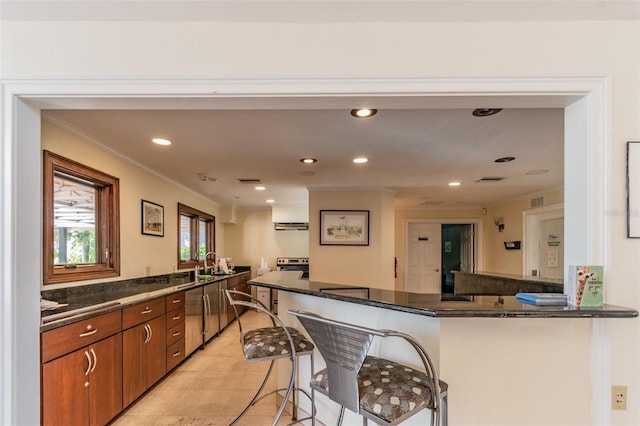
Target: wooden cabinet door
133, 341
105, 387
85, 386
144, 358
65, 389
156, 352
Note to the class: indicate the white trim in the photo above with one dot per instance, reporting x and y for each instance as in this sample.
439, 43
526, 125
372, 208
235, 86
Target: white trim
16, 406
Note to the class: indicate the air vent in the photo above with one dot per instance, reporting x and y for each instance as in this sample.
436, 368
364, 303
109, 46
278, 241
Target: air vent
291, 226
249, 181
490, 179
537, 202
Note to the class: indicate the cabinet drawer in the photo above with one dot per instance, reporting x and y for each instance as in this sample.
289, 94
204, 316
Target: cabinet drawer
175, 354
174, 334
233, 281
64, 340
175, 301
137, 314
175, 317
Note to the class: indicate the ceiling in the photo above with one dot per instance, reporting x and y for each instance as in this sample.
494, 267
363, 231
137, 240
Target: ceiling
414, 149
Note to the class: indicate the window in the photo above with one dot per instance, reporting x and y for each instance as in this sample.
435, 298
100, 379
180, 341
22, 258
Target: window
197, 232
81, 222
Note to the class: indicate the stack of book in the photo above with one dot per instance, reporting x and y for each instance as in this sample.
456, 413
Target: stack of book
542, 299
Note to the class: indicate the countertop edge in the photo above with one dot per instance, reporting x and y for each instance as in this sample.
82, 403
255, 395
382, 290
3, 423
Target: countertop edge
529, 311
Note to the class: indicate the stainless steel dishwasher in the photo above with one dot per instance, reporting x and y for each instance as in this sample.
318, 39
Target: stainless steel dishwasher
224, 304
194, 308
211, 304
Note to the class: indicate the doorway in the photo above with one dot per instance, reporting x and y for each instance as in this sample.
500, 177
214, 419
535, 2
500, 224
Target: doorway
544, 241
458, 253
434, 250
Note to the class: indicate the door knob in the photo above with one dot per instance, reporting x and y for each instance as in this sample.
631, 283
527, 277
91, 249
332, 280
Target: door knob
436, 270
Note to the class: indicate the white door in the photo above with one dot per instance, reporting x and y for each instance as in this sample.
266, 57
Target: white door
543, 252
466, 249
424, 255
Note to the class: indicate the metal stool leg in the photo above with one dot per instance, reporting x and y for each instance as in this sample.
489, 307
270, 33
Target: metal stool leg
255, 398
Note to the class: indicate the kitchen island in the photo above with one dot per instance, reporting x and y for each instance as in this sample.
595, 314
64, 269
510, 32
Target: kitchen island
506, 363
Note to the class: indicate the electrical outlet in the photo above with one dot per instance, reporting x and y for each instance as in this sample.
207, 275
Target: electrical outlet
619, 397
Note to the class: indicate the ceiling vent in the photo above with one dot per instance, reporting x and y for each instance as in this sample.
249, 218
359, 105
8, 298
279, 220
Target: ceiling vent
537, 202
249, 181
490, 179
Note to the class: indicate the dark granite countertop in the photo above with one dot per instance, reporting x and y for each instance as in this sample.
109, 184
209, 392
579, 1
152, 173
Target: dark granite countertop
433, 305
87, 301
500, 284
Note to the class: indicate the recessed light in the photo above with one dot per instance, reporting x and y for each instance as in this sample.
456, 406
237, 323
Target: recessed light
485, 112
538, 172
504, 159
308, 160
360, 160
260, 188
455, 183
271, 201
363, 112
160, 141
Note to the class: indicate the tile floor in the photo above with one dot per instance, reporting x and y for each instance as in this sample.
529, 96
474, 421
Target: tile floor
210, 388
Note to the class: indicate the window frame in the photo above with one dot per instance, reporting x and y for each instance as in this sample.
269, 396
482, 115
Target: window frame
107, 219
195, 217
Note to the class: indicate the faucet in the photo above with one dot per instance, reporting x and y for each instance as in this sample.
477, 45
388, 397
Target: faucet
214, 266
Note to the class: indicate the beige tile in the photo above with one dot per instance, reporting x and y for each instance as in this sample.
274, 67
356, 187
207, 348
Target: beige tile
211, 388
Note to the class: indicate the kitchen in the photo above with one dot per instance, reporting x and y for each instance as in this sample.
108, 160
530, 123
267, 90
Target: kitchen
524, 65
66, 140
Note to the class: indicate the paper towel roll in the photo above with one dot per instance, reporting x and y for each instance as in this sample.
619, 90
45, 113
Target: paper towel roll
223, 265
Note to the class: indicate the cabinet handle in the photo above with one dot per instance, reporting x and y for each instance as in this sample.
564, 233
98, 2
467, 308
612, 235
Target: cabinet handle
176, 354
206, 315
146, 332
177, 317
150, 333
176, 301
86, 373
177, 333
147, 310
89, 333
95, 360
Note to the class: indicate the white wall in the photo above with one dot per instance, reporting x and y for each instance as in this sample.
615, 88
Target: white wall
253, 237
137, 251
76, 52
371, 265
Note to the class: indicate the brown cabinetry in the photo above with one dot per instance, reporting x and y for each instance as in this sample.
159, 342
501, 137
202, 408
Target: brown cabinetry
175, 304
238, 283
81, 384
144, 348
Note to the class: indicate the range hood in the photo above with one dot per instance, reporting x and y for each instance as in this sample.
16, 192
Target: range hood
292, 217
291, 226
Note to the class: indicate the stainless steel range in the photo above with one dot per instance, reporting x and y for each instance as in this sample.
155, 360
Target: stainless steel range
293, 264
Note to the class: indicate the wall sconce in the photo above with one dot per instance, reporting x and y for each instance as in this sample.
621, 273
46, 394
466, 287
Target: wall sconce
499, 222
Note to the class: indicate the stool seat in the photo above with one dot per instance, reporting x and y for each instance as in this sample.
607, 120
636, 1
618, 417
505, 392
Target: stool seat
381, 390
387, 389
272, 343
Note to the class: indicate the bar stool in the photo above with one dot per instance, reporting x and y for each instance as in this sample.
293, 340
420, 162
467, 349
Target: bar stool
379, 389
270, 344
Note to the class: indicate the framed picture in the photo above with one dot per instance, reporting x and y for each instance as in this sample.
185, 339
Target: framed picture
633, 189
152, 219
344, 227
447, 246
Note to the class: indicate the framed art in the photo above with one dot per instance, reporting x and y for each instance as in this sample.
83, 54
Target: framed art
152, 219
633, 189
344, 227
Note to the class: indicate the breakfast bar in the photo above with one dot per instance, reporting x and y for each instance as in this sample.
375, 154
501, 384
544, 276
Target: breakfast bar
506, 363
